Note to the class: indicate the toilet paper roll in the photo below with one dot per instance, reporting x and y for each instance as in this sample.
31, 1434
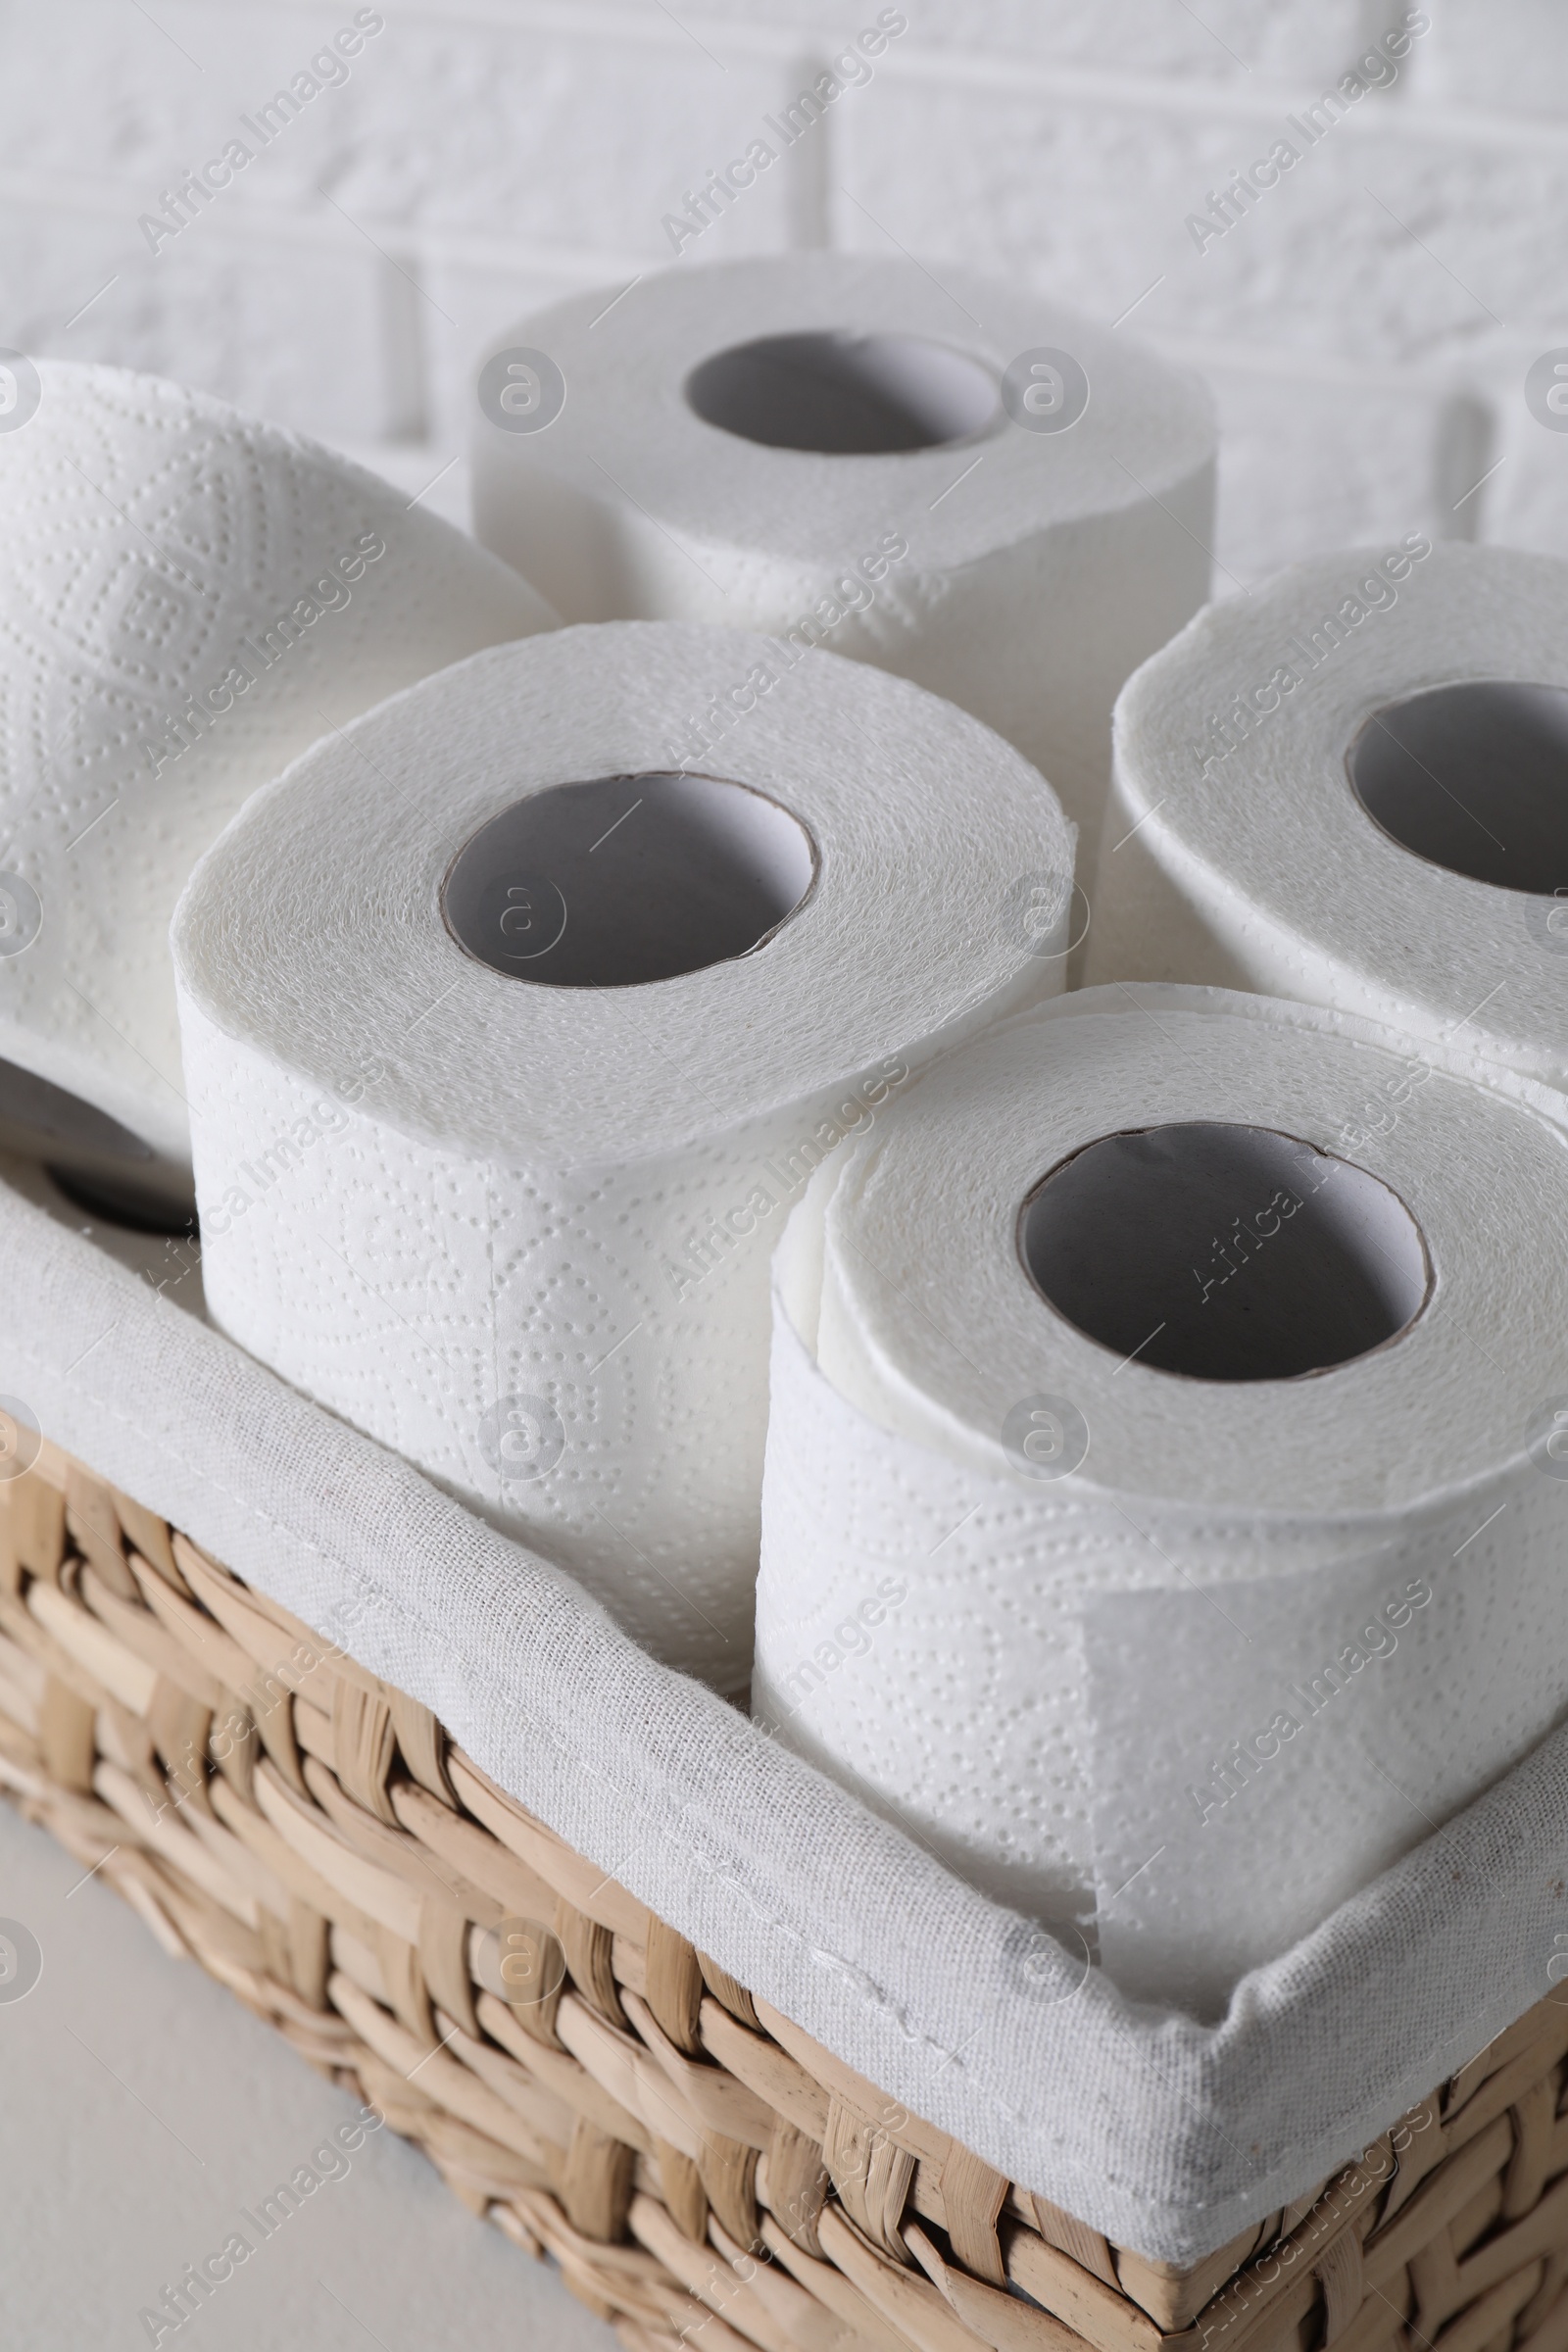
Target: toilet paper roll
1163, 1513
505, 1050
189, 598
131, 1223
1348, 788
959, 481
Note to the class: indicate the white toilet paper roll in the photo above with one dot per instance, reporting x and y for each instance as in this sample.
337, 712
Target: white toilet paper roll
1349, 787
960, 482
510, 1210
1160, 1512
134, 1226
189, 598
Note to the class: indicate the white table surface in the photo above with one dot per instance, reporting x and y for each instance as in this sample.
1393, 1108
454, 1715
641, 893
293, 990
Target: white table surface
141, 2107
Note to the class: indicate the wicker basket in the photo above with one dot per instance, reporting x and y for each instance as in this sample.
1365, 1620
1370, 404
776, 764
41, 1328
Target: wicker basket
585, 2080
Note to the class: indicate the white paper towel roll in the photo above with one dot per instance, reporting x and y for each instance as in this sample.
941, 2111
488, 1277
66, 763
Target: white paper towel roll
189, 598
1197, 1598
959, 481
515, 1218
1349, 787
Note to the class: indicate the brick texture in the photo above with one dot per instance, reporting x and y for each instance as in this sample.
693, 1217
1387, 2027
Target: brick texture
1366, 320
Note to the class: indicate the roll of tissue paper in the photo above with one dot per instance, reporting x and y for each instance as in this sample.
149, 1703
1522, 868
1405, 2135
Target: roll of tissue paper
1163, 1513
131, 1225
961, 482
506, 1049
1349, 787
188, 599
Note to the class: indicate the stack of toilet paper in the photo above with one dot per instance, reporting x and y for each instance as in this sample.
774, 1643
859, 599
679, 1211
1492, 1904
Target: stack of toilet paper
624, 1067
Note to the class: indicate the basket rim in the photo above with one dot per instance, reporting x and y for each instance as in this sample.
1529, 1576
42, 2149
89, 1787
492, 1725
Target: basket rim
1168, 2136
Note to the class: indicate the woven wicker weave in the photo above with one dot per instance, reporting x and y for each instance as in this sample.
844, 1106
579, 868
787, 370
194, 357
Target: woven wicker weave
581, 2076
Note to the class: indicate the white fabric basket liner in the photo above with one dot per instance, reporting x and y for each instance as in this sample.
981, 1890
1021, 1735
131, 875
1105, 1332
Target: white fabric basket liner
1168, 2136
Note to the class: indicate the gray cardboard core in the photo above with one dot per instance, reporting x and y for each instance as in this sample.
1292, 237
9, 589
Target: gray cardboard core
627, 880
1224, 1252
1474, 778
844, 395
117, 1199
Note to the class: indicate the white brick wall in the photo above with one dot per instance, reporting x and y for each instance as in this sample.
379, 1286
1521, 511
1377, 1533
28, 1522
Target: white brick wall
1367, 323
